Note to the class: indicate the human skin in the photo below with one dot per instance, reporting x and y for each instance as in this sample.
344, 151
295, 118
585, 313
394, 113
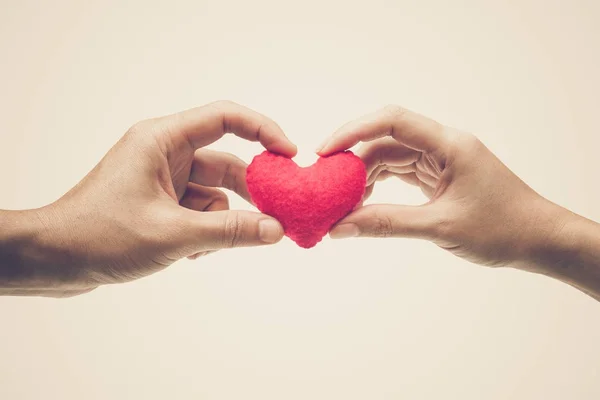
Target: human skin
152, 200
478, 209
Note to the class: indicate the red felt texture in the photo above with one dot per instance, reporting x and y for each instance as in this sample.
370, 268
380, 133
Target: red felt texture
306, 201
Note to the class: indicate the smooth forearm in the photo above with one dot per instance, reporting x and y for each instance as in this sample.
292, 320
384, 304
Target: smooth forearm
569, 251
29, 259
18, 231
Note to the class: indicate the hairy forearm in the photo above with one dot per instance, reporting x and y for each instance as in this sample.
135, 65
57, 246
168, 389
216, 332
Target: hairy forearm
570, 252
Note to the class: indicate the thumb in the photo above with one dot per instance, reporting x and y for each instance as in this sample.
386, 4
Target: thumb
386, 220
216, 230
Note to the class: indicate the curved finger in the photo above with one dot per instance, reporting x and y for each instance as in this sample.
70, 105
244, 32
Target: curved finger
426, 178
428, 191
384, 175
413, 179
200, 198
406, 169
204, 125
219, 169
381, 176
408, 128
410, 178
429, 166
386, 151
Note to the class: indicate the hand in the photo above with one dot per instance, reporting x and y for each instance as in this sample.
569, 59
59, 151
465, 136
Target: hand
152, 200
478, 209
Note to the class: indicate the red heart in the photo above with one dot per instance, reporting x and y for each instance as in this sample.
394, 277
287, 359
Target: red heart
307, 201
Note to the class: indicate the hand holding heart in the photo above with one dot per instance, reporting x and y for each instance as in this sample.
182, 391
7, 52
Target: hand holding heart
152, 200
155, 198
478, 209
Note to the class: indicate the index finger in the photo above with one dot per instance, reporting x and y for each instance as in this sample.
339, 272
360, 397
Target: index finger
204, 125
408, 128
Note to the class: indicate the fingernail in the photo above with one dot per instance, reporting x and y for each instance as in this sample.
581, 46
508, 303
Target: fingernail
269, 231
293, 150
344, 231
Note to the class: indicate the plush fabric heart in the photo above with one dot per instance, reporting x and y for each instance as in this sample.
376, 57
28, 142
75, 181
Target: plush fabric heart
306, 201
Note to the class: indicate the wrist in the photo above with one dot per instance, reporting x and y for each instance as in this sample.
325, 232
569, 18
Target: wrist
545, 237
564, 247
33, 251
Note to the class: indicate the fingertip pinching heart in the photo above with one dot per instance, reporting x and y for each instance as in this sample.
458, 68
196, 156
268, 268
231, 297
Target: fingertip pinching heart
306, 201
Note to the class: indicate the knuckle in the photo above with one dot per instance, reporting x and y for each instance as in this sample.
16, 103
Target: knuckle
382, 225
221, 198
470, 138
395, 111
149, 132
226, 111
141, 127
466, 141
228, 175
222, 104
260, 129
232, 230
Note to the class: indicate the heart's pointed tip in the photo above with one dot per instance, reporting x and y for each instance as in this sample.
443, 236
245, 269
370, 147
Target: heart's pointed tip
306, 246
307, 243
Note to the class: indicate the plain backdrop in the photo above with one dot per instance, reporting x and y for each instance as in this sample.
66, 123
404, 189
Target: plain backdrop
355, 319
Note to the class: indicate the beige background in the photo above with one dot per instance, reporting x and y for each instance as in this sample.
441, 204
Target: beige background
355, 319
